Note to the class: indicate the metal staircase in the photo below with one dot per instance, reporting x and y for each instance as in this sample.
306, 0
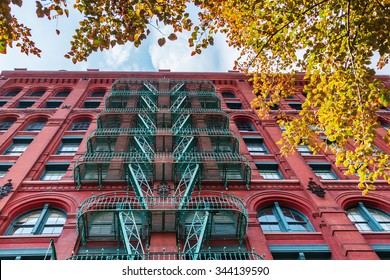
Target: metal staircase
164, 138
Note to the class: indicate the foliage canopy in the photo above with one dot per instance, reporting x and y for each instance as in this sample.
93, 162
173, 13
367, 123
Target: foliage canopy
331, 41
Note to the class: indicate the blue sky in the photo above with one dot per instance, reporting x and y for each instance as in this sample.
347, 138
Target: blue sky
174, 55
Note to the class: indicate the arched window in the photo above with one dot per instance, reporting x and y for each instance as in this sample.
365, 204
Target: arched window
37, 125
42, 221
369, 219
228, 94
81, 125
37, 93
245, 125
62, 93
98, 93
5, 124
12, 93
277, 219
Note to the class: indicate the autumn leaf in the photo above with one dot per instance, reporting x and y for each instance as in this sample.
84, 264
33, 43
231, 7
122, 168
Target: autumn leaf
161, 42
172, 37
340, 94
3, 48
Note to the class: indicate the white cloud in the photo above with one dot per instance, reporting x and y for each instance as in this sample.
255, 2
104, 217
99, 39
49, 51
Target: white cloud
176, 55
117, 56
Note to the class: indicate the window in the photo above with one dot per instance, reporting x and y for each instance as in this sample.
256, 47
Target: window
369, 219
323, 170
227, 94
69, 146
220, 144
102, 224
300, 252
18, 146
269, 171
277, 219
3, 102
91, 104
26, 254
98, 94
38, 222
296, 106
234, 105
385, 125
255, 145
304, 150
63, 93
382, 250
54, 171
4, 167
274, 107
5, 125
12, 93
81, 125
231, 172
36, 126
209, 104
53, 103
97, 171
245, 126
37, 93
25, 104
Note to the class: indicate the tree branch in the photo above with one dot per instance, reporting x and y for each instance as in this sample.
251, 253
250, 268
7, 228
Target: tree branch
284, 26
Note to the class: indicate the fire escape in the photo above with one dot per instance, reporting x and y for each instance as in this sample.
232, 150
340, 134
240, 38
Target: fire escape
164, 138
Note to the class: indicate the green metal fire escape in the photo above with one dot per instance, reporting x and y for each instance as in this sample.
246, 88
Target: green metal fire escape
164, 138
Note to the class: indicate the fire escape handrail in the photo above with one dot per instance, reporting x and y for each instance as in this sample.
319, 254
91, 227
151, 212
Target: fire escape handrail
203, 255
110, 202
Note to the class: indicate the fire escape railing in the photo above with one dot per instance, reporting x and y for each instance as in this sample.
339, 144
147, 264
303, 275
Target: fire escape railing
179, 128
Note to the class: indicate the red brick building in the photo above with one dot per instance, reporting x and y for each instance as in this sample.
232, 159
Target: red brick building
163, 165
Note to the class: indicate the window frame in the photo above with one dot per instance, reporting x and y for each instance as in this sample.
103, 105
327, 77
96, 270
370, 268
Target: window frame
92, 102
368, 218
234, 105
28, 104
42, 222
301, 252
82, 124
281, 221
258, 146
5, 125
228, 94
245, 126
26, 254
62, 94
95, 95
17, 141
12, 93
53, 104
52, 168
295, 105
304, 150
34, 93
323, 167
269, 166
66, 141
4, 168
39, 123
